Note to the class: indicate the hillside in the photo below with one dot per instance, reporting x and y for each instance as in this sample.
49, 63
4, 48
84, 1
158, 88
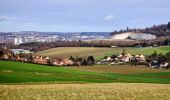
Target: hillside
158, 30
16, 72
98, 53
133, 36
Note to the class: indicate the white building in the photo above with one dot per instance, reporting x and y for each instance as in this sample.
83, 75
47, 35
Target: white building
133, 35
10, 40
17, 41
18, 51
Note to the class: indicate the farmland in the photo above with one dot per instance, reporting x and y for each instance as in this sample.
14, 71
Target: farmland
24, 73
39, 82
94, 91
31, 81
98, 53
119, 69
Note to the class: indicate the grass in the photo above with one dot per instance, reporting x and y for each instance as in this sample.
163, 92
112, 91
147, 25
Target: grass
99, 53
38, 82
14, 72
103, 91
120, 69
166, 48
104, 82
24, 73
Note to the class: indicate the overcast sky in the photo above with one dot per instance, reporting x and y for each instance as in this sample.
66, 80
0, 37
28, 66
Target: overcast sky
81, 15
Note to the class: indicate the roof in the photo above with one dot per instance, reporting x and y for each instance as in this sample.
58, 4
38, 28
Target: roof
17, 51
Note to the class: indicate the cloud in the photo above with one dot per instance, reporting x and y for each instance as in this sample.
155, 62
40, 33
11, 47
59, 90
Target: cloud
3, 18
111, 17
6, 18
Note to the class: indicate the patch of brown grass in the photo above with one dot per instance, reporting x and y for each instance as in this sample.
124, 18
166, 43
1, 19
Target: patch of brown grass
119, 69
7, 71
98, 53
107, 91
75, 51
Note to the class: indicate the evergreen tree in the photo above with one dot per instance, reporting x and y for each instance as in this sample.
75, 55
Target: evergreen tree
168, 25
90, 60
1, 53
71, 58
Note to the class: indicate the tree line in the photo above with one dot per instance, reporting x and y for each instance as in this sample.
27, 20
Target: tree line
158, 30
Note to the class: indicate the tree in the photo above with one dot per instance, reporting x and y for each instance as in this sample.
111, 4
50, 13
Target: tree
113, 56
124, 52
71, 58
161, 58
168, 25
155, 53
168, 56
1, 53
127, 29
85, 63
90, 60
105, 57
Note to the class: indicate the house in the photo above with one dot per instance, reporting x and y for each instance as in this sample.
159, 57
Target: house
125, 59
56, 62
67, 62
154, 64
40, 61
62, 62
120, 56
20, 59
164, 65
140, 58
46, 57
18, 51
109, 58
7, 55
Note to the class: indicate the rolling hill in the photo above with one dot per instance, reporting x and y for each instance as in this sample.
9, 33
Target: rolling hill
17, 72
98, 53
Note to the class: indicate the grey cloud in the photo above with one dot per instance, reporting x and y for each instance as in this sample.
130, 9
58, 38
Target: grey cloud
3, 18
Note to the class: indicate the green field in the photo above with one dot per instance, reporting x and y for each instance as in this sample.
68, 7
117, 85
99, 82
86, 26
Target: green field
99, 53
24, 73
23, 81
166, 48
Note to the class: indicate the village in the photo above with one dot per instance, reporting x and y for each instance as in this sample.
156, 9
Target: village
153, 61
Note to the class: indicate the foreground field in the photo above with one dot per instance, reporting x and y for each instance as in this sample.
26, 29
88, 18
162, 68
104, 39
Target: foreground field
24, 73
98, 53
103, 91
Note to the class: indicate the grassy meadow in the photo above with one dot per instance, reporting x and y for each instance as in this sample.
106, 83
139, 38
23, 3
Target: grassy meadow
99, 53
24, 73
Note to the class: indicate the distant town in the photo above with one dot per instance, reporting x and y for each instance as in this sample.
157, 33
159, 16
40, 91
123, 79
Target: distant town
17, 38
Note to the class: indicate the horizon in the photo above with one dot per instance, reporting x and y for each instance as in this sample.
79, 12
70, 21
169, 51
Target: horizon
81, 16
56, 31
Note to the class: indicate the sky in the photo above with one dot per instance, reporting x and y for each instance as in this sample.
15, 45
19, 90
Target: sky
81, 15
